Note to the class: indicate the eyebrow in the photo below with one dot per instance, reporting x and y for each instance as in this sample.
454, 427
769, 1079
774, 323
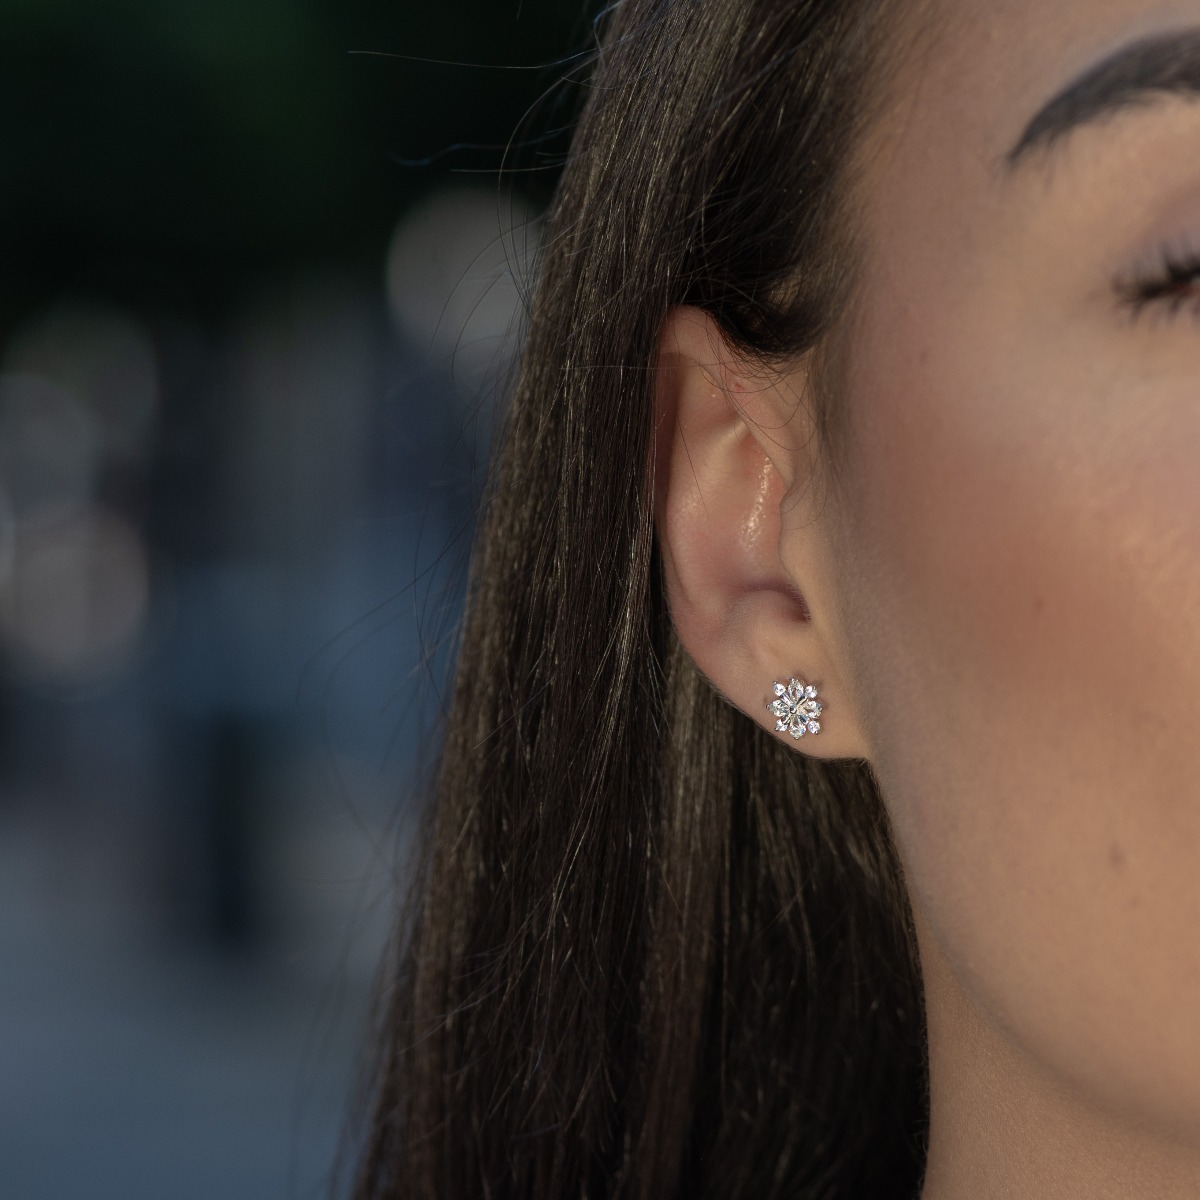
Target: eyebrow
1164, 64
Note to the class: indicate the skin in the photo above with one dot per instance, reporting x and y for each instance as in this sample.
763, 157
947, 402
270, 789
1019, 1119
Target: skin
1001, 600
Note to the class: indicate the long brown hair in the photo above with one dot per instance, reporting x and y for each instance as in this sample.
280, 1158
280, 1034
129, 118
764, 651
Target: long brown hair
650, 951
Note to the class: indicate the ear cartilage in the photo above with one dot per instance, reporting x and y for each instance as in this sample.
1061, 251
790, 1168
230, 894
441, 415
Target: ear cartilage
795, 708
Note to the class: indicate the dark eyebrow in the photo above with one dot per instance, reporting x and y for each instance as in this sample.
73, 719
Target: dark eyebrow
1145, 69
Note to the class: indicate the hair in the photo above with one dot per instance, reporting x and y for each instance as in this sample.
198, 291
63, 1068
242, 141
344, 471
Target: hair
650, 951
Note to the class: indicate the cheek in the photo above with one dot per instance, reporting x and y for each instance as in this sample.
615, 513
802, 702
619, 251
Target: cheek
1022, 572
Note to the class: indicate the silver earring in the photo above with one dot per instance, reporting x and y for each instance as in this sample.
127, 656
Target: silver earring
796, 708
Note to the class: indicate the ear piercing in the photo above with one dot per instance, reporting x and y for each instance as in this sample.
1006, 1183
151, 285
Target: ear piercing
796, 708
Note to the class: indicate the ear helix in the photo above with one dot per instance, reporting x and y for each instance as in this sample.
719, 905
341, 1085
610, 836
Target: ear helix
795, 708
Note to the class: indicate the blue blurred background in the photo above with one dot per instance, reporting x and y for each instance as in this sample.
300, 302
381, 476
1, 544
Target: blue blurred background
261, 268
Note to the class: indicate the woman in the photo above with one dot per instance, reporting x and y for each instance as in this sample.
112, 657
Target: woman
861, 357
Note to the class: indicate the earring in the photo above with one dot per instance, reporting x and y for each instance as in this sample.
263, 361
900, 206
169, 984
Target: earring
796, 708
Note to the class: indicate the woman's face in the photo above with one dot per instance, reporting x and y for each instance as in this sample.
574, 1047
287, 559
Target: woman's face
1017, 550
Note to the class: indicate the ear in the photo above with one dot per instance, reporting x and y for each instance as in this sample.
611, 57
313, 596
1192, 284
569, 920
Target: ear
744, 550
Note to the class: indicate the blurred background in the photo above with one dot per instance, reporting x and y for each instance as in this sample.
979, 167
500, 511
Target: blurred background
261, 269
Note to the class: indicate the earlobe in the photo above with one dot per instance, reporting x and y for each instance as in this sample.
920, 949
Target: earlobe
748, 608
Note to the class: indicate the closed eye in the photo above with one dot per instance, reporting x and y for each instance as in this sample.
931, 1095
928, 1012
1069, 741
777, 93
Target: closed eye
1173, 286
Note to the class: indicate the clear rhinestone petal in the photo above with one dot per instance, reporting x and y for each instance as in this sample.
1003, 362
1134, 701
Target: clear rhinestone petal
796, 708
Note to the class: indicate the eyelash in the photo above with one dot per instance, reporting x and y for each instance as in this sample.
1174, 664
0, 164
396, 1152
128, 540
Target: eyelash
1175, 284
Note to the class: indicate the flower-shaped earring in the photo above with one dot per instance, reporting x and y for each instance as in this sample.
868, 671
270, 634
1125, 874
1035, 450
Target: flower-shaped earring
796, 708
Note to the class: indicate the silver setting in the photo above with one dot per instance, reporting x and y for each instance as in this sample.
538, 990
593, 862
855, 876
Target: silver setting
795, 708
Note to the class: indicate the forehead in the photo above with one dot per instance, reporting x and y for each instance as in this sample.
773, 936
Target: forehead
974, 72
